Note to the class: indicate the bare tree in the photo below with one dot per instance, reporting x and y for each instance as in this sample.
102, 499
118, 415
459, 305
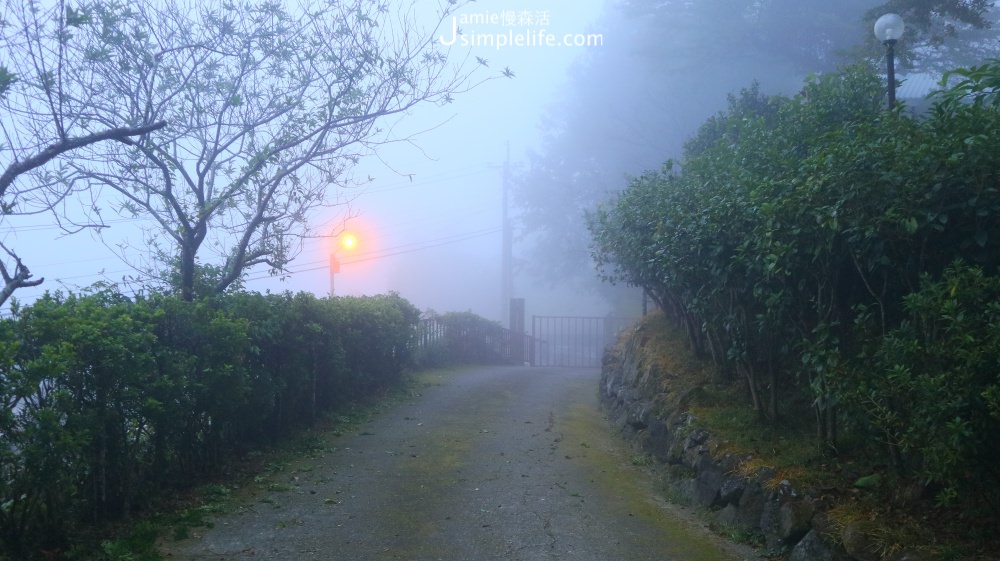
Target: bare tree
45, 104
268, 108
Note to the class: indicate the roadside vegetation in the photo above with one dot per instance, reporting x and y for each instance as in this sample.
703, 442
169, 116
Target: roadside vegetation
855, 485
112, 404
836, 264
222, 131
132, 420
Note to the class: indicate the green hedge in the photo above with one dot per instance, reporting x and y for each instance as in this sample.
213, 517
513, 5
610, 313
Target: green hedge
109, 401
799, 242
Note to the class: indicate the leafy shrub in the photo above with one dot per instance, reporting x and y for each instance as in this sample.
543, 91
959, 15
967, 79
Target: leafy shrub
793, 238
931, 385
109, 402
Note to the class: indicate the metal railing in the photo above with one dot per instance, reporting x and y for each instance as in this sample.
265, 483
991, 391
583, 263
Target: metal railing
574, 340
571, 341
483, 343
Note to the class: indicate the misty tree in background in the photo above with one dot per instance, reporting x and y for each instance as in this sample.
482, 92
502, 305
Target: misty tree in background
268, 108
818, 34
45, 113
942, 34
666, 66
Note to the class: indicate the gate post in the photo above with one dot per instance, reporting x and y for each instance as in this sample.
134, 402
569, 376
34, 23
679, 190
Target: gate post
517, 330
533, 341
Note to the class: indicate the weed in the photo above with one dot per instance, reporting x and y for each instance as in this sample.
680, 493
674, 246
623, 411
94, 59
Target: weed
643, 460
672, 494
138, 544
311, 445
275, 467
949, 553
216, 491
740, 535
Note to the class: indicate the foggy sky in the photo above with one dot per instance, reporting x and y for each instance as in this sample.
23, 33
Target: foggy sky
429, 222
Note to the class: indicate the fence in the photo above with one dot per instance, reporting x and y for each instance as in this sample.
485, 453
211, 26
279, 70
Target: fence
573, 340
554, 341
444, 340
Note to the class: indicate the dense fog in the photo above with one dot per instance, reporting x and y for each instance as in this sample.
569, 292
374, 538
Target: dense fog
565, 101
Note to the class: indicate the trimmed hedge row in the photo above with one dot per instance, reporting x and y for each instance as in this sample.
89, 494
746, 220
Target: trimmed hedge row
829, 252
108, 401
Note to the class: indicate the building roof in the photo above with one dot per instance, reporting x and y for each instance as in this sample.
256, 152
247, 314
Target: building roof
917, 85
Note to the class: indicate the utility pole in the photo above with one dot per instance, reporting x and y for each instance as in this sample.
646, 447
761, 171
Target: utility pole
506, 257
334, 269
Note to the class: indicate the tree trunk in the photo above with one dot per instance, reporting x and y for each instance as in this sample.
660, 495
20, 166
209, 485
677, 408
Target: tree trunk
831, 428
189, 265
772, 400
187, 272
754, 390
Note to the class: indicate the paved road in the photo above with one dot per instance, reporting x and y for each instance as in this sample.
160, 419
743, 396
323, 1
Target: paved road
488, 463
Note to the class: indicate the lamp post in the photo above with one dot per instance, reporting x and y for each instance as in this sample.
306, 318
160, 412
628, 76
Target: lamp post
334, 269
349, 242
888, 29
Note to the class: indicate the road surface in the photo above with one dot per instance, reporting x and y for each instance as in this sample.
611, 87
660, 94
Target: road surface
483, 464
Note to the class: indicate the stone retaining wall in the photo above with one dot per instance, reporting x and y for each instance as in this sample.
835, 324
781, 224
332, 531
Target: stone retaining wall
637, 397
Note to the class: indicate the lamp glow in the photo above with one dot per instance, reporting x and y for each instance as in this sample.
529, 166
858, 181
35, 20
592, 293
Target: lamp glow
889, 27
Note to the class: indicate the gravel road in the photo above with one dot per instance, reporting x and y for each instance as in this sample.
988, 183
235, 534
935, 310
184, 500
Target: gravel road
485, 463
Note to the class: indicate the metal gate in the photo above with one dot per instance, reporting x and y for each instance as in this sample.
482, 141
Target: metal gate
572, 340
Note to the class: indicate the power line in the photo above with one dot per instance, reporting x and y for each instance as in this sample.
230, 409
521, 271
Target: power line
322, 264
391, 252
12, 229
426, 246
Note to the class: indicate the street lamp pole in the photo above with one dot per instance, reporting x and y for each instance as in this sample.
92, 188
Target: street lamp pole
888, 29
334, 269
348, 242
890, 62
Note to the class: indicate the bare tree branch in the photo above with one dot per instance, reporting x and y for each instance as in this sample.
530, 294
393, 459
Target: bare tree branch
268, 110
20, 279
47, 109
52, 152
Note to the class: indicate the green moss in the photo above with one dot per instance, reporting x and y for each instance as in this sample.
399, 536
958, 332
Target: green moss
628, 490
790, 450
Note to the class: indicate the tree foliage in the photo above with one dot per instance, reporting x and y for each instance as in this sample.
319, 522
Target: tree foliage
797, 231
668, 62
933, 21
934, 398
46, 104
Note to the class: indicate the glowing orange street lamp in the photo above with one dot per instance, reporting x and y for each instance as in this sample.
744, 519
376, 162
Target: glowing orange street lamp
349, 242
